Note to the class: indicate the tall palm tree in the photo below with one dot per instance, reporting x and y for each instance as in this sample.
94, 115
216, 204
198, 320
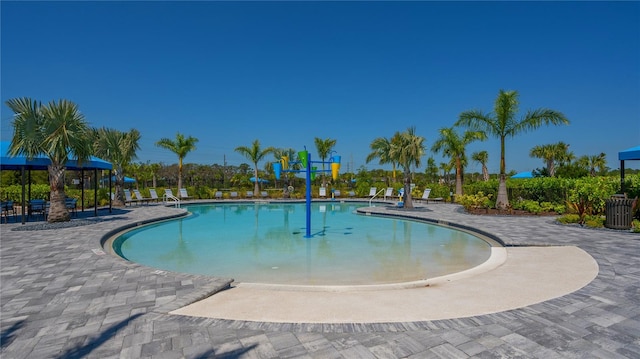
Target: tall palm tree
551, 154
57, 130
181, 146
119, 148
407, 149
502, 123
254, 153
381, 149
482, 157
453, 146
324, 148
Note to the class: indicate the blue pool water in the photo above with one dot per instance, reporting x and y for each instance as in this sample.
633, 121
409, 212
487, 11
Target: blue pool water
265, 243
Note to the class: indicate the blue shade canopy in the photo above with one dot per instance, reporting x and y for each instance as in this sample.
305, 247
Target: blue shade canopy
113, 179
41, 162
526, 174
253, 179
632, 153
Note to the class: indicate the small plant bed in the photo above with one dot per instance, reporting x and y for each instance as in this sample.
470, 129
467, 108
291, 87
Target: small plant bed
507, 212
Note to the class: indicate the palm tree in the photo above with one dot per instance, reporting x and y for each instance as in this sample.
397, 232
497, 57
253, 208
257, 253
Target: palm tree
453, 146
551, 154
432, 170
407, 149
381, 149
119, 148
595, 163
324, 148
181, 147
482, 157
57, 130
502, 123
255, 154
446, 169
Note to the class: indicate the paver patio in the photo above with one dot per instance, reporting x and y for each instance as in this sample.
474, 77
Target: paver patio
63, 297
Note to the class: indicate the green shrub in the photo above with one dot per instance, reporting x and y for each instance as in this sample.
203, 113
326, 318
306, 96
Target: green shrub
594, 221
635, 226
473, 201
569, 218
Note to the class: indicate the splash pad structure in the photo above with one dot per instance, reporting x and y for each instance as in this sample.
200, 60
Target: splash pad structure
305, 160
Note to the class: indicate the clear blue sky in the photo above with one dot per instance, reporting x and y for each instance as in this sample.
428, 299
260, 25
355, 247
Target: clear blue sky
286, 72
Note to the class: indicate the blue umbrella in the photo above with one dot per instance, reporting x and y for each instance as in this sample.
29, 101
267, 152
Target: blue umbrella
527, 174
113, 179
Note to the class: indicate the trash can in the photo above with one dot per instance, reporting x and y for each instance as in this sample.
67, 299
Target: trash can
618, 213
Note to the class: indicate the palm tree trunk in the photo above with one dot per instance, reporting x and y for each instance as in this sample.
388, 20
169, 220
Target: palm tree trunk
458, 177
485, 173
502, 202
256, 184
408, 203
179, 174
57, 208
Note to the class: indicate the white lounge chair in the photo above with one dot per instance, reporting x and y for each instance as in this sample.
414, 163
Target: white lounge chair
183, 193
249, 194
140, 198
336, 193
373, 191
264, 194
233, 195
323, 192
425, 196
218, 195
388, 193
128, 198
154, 194
352, 193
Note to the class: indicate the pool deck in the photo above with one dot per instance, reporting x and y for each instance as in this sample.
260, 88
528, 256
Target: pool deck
61, 296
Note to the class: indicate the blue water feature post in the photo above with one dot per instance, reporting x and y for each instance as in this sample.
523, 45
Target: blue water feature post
308, 195
283, 166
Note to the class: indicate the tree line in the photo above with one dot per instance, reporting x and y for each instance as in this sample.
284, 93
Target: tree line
58, 130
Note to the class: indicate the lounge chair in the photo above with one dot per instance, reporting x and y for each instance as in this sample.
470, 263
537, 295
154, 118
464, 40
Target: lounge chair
323, 192
71, 204
38, 206
140, 198
7, 207
218, 195
128, 198
336, 193
351, 194
154, 194
388, 193
233, 195
425, 196
249, 194
183, 193
264, 194
372, 191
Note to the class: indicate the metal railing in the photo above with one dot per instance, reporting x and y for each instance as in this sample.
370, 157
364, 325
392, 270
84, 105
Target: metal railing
376, 195
167, 197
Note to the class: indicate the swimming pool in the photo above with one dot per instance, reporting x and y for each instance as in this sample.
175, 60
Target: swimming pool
265, 243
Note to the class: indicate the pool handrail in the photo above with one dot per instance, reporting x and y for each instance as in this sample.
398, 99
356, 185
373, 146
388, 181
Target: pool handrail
168, 195
376, 195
